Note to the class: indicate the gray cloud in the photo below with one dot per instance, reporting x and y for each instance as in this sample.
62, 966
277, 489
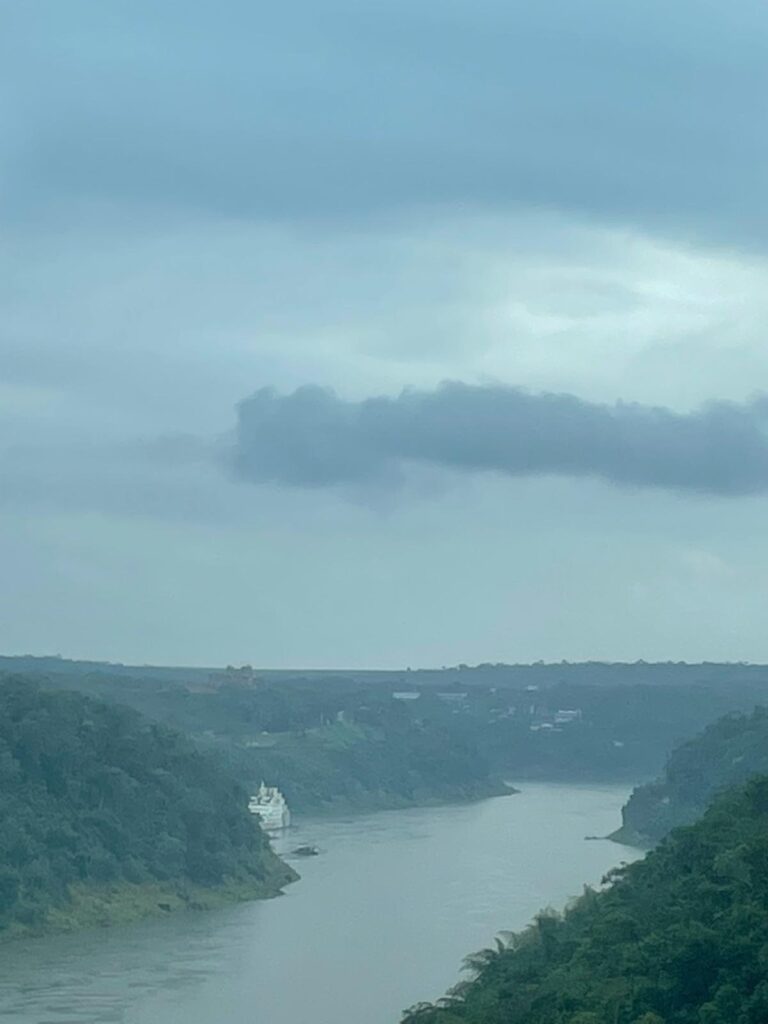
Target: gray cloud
305, 111
314, 438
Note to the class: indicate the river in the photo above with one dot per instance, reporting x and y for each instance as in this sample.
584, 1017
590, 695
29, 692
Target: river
380, 920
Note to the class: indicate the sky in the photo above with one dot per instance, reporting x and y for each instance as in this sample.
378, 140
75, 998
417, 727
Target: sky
360, 334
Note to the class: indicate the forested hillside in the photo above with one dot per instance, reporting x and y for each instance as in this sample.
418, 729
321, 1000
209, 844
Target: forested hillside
678, 938
98, 803
365, 766
727, 752
330, 746
338, 742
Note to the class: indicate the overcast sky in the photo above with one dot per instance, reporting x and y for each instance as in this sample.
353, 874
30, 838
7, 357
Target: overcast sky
383, 334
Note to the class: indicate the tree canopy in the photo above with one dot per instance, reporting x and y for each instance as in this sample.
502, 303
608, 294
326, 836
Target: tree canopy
726, 753
94, 794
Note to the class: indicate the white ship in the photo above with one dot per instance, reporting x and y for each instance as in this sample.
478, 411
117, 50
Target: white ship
269, 803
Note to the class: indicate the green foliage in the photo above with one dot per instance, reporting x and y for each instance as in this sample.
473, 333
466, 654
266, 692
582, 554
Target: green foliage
93, 794
342, 742
392, 760
330, 746
678, 938
725, 754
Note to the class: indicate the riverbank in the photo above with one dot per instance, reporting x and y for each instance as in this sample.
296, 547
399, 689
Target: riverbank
109, 905
627, 836
372, 801
106, 906
380, 920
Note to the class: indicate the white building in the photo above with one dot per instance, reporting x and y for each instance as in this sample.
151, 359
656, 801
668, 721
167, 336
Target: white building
568, 715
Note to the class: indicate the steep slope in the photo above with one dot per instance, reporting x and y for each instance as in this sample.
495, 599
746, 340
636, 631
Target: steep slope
725, 754
106, 816
680, 937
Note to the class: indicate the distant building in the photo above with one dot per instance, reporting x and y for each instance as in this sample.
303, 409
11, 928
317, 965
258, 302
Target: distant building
568, 715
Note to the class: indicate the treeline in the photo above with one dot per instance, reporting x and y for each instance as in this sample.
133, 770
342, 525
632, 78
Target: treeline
727, 752
509, 676
680, 937
94, 795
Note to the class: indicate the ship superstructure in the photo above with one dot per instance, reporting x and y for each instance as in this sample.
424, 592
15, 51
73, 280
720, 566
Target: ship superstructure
269, 804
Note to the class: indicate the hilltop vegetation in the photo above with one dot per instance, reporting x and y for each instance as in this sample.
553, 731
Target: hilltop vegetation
543, 675
342, 742
726, 753
678, 938
104, 814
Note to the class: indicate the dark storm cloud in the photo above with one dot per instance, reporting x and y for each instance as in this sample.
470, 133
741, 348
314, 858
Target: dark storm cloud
313, 438
340, 108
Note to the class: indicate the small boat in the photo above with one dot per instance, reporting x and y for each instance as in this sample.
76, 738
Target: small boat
305, 851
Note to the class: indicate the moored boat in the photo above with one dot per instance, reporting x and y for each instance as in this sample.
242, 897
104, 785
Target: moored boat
270, 806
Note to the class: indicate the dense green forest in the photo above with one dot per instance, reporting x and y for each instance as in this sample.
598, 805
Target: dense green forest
334, 746
727, 752
343, 742
360, 741
104, 813
680, 937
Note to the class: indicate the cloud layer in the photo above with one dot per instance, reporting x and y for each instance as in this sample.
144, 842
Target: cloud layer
302, 111
313, 438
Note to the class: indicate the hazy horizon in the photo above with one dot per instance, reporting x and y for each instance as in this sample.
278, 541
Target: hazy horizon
363, 668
